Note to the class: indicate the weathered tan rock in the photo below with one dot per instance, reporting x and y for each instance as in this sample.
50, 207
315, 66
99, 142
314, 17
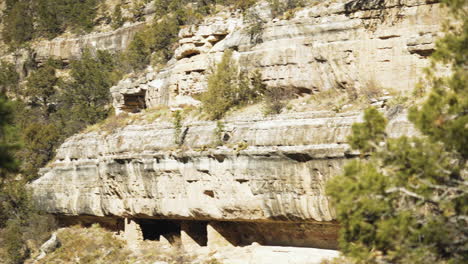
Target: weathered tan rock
133, 234
71, 48
266, 182
139, 170
347, 45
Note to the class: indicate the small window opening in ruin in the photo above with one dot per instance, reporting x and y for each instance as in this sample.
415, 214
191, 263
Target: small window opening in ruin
197, 231
157, 229
134, 103
209, 193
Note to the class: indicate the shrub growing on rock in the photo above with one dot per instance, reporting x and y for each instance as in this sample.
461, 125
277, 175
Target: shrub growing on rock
228, 88
8, 163
18, 23
25, 19
117, 19
9, 78
275, 99
279, 7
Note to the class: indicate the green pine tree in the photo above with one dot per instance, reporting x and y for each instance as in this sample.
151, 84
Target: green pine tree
85, 99
443, 117
228, 87
9, 78
49, 14
8, 163
408, 201
81, 15
137, 55
117, 19
18, 23
42, 87
222, 85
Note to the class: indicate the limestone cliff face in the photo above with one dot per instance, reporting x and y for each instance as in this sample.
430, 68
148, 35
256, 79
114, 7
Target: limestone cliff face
71, 48
267, 172
351, 45
267, 169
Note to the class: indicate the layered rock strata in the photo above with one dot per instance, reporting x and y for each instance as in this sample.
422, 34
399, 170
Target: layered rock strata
260, 179
358, 46
265, 170
69, 48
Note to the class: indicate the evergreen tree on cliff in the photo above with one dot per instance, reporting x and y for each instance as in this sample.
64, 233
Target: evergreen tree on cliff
7, 161
407, 202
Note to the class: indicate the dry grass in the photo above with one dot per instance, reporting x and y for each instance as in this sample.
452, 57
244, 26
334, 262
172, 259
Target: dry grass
151, 252
99, 246
3, 252
110, 124
331, 100
157, 113
372, 90
337, 100
88, 245
148, 116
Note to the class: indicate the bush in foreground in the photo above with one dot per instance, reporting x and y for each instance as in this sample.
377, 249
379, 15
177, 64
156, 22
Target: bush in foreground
406, 199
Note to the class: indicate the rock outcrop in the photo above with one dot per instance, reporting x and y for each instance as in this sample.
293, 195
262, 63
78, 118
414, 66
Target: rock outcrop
49, 246
71, 48
266, 171
351, 45
261, 179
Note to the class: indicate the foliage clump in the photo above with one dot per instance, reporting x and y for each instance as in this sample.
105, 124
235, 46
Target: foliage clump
228, 88
19, 219
280, 7
275, 99
8, 162
55, 109
255, 25
22, 227
177, 121
117, 18
196, 9
18, 22
366, 135
31, 130
154, 44
408, 201
26, 19
86, 97
9, 78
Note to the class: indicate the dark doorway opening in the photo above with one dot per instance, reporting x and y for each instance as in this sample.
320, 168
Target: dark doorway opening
197, 231
155, 229
134, 103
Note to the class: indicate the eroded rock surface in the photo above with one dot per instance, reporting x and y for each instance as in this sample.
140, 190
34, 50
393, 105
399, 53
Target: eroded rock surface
352, 45
71, 48
263, 178
267, 169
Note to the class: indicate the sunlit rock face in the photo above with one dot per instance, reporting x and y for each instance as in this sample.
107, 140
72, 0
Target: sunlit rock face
69, 48
350, 45
261, 179
266, 169
262, 176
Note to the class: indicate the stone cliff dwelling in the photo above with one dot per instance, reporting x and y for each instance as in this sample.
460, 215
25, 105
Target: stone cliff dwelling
136, 181
134, 103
